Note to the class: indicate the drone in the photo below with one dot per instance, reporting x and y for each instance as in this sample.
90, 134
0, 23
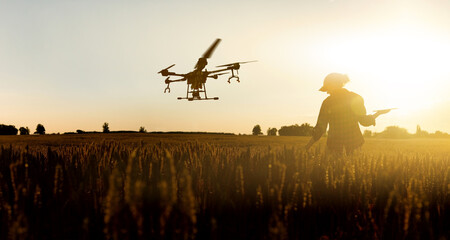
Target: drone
196, 80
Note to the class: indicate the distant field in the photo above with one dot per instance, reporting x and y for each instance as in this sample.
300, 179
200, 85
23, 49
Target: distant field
194, 186
146, 138
415, 144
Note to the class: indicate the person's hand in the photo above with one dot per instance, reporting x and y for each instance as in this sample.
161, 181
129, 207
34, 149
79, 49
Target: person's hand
309, 144
383, 111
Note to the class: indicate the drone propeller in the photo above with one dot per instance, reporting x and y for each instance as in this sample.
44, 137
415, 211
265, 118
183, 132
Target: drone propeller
236, 63
202, 62
211, 49
167, 68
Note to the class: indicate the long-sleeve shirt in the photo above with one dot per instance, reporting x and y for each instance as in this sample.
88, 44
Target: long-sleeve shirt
343, 111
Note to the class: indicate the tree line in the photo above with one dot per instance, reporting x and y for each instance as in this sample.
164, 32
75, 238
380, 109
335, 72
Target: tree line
294, 130
389, 132
304, 129
399, 132
12, 130
40, 129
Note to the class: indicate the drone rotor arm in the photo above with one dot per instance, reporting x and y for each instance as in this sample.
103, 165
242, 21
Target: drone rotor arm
176, 80
215, 76
167, 73
168, 82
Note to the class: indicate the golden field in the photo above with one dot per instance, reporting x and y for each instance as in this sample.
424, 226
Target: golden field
193, 186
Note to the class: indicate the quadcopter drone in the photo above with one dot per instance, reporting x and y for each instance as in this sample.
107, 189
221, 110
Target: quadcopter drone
196, 79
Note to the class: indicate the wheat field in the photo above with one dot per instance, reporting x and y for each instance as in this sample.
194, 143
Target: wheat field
188, 186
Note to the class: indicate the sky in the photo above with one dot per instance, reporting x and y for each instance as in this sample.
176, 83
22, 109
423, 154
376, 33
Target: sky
76, 64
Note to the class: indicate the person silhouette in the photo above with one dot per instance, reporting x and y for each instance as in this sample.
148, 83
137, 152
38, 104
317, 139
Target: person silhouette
343, 111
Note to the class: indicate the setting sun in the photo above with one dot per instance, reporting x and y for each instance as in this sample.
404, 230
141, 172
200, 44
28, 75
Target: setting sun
404, 65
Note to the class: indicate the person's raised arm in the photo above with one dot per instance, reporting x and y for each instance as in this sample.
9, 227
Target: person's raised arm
360, 111
380, 112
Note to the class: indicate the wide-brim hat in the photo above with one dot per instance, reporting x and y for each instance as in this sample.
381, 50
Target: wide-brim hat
333, 81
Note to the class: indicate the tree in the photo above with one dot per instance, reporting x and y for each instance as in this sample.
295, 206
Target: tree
440, 134
257, 130
295, 130
79, 131
8, 130
40, 129
106, 127
272, 132
306, 129
395, 132
24, 131
420, 132
142, 129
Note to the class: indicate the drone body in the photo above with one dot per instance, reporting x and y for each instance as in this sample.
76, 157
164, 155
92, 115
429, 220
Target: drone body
196, 80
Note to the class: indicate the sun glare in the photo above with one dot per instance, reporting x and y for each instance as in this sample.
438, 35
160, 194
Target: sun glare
406, 66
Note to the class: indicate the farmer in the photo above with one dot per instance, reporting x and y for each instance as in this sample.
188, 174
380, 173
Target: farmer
343, 111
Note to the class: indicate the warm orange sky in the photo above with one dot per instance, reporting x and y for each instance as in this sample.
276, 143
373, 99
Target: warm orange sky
76, 64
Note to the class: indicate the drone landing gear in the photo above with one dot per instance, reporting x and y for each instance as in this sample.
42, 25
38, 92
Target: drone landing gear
192, 99
195, 94
233, 76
